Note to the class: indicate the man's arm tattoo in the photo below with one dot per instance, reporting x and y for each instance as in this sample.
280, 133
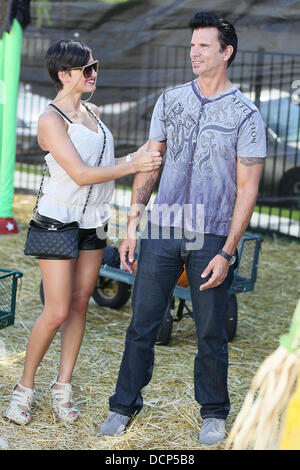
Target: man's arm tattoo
247, 161
145, 191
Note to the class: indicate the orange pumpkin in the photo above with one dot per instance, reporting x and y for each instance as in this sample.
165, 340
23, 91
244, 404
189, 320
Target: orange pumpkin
182, 281
134, 266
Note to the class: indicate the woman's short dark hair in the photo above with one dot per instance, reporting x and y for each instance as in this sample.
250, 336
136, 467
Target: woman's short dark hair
65, 54
227, 35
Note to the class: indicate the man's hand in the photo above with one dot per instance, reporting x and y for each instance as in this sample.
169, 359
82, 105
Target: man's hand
127, 251
219, 267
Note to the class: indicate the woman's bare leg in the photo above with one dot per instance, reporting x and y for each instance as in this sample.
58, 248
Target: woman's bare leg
57, 278
85, 276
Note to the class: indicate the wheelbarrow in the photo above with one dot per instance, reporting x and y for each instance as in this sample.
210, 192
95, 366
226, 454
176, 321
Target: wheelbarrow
113, 287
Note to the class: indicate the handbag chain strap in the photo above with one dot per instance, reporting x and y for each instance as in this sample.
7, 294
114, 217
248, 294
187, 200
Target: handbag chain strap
103, 148
98, 164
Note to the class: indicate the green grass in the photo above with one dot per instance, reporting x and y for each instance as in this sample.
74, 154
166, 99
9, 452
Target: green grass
24, 167
282, 212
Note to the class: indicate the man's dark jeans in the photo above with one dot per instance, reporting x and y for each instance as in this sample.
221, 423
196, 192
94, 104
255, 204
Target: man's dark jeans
160, 265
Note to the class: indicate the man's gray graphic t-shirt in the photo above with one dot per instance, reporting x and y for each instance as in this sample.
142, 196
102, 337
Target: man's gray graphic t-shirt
204, 138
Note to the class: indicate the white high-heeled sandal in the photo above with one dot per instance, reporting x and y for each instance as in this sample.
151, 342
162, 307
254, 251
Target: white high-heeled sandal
19, 398
61, 396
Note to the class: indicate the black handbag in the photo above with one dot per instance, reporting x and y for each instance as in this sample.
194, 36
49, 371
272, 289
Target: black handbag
59, 239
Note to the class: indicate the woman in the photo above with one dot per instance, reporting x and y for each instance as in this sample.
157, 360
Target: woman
69, 131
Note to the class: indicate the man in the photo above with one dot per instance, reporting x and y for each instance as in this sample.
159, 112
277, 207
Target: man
214, 141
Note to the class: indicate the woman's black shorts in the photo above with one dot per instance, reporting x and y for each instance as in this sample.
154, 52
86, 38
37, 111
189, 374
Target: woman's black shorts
87, 237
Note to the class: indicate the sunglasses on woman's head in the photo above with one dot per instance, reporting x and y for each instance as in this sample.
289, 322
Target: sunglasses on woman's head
87, 70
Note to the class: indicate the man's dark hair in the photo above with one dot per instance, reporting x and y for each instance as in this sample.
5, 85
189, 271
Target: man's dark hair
227, 35
63, 55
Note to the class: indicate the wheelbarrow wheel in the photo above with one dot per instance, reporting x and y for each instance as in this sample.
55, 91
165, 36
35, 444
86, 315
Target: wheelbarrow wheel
111, 256
107, 293
165, 330
111, 293
231, 316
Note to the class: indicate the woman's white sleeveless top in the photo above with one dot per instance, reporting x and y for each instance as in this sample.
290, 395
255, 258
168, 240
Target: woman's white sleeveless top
62, 198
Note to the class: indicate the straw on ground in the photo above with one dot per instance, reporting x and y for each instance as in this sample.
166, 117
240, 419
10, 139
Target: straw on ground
170, 418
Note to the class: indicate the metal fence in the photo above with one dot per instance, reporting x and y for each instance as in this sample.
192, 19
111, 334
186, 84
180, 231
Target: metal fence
128, 94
